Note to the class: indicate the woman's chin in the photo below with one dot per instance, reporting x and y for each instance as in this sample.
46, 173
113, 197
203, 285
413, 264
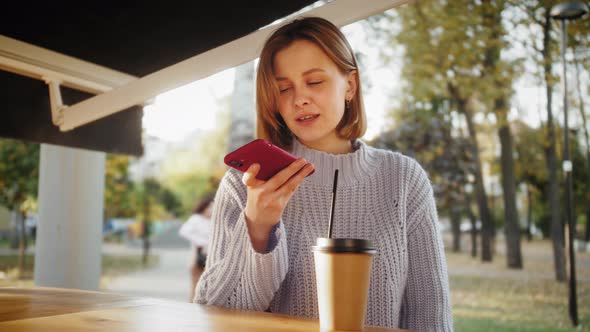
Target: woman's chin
308, 140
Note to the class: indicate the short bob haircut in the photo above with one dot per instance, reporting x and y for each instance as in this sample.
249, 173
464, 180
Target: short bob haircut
270, 124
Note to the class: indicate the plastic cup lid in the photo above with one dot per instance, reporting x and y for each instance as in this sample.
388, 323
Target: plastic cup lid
344, 245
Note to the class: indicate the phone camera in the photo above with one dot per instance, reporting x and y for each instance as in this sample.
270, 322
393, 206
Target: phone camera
236, 163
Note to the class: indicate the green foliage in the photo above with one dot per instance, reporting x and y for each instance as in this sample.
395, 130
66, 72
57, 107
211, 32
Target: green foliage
453, 49
451, 67
153, 200
426, 135
530, 162
580, 177
531, 169
190, 188
118, 192
579, 40
19, 172
126, 199
171, 202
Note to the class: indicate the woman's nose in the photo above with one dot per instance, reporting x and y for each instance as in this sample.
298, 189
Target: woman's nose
301, 98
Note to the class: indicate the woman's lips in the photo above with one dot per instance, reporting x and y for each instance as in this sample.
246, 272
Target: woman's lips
307, 118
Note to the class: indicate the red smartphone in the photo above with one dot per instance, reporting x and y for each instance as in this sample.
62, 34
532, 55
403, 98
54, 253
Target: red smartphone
270, 157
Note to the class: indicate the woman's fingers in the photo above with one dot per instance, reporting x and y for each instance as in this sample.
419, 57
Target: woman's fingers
283, 183
267, 199
249, 177
284, 175
293, 183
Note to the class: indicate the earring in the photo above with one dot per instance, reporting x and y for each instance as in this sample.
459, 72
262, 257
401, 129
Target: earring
347, 104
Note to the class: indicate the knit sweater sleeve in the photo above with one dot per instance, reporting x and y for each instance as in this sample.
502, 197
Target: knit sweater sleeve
236, 275
426, 304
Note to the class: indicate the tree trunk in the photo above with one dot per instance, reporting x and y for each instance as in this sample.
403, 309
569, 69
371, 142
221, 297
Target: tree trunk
22, 243
492, 22
529, 216
456, 227
587, 139
512, 228
481, 196
145, 226
480, 192
473, 232
15, 231
557, 236
146, 245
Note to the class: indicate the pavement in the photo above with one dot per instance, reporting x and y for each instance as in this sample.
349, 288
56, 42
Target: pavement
169, 280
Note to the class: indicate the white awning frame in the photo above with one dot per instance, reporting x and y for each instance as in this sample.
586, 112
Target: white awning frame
39, 63
57, 69
120, 91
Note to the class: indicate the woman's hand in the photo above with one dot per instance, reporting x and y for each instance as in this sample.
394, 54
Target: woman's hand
267, 199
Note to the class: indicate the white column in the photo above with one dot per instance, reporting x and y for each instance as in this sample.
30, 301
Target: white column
69, 232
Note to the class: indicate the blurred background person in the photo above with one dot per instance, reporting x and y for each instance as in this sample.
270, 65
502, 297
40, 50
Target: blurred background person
196, 230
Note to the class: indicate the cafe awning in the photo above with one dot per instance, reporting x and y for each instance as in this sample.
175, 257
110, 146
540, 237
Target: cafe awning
77, 73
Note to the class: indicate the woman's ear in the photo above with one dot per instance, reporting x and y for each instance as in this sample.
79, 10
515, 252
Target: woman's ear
352, 82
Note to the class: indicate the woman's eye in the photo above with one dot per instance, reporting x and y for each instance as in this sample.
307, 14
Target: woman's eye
281, 90
315, 82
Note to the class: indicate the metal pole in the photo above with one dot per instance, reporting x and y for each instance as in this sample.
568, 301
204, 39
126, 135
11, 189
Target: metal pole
567, 167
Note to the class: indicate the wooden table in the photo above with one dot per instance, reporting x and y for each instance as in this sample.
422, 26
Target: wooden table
64, 310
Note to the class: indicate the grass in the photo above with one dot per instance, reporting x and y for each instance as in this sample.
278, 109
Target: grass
112, 266
491, 304
491, 297
489, 325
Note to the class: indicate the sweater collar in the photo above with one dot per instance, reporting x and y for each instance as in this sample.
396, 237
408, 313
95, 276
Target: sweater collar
352, 167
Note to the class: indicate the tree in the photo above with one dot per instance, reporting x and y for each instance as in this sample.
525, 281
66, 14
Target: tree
498, 74
147, 197
19, 174
536, 14
530, 169
118, 193
425, 134
587, 143
544, 50
581, 185
443, 58
580, 41
152, 201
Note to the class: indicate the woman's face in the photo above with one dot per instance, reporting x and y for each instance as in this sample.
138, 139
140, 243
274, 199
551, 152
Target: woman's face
312, 94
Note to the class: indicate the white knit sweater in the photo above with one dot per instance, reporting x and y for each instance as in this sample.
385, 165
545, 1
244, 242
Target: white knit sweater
382, 196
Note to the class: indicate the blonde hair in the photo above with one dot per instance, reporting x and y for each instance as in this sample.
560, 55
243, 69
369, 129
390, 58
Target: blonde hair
327, 36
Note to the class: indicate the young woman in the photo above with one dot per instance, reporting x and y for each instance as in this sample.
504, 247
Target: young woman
309, 101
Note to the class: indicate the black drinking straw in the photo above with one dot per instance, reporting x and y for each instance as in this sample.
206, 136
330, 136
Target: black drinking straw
333, 203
